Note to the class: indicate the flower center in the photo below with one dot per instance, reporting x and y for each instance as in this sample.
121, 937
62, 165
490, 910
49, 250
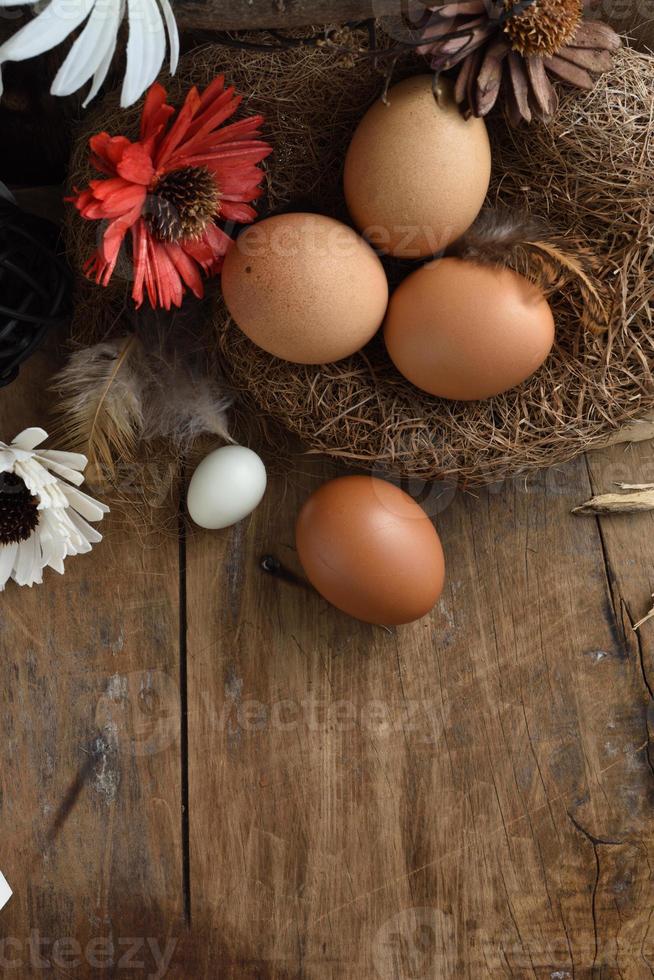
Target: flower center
182, 203
19, 515
544, 27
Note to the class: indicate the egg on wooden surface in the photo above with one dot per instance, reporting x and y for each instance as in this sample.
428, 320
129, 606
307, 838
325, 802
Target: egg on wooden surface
228, 485
416, 172
305, 288
370, 550
466, 331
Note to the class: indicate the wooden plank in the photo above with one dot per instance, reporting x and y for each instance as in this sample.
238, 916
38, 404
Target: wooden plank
243, 14
466, 797
281, 14
88, 667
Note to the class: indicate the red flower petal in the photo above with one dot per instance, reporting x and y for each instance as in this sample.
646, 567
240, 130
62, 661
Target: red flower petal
251, 153
107, 151
150, 283
219, 242
210, 249
156, 112
204, 125
212, 91
237, 130
81, 200
187, 268
237, 212
140, 258
170, 291
116, 196
115, 233
136, 165
178, 130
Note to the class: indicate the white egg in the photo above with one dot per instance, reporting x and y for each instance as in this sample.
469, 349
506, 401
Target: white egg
227, 486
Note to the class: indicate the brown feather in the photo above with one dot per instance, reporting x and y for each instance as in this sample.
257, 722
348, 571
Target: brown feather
553, 262
135, 406
101, 409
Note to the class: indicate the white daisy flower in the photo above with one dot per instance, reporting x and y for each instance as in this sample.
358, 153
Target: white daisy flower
91, 54
43, 519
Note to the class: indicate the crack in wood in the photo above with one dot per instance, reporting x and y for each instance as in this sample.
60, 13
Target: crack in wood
619, 607
183, 720
595, 843
648, 686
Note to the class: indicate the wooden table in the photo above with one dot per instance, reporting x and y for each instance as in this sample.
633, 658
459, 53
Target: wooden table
207, 772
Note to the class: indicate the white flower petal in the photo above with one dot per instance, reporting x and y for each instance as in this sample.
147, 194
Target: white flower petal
28, 566
173, 34
74, 476
63, 509
7, 460
76, 461
29, 439
7, 558
105, 63
39, 481
53, 542
77, 542
50, 28
89, 508
89, 50
146, 49
89, 533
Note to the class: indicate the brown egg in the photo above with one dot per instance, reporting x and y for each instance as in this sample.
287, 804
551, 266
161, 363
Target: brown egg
305, 288
416, 172
370, 550
466, 331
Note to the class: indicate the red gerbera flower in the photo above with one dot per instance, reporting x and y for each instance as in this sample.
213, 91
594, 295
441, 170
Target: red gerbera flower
168, 188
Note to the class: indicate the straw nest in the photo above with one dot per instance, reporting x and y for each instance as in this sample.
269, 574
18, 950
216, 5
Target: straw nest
588, 173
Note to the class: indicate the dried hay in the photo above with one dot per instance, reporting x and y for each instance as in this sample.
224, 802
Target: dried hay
588, 172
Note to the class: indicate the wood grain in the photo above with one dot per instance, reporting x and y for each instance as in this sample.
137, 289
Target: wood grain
242, 14
88, 669
467, 797
632, 19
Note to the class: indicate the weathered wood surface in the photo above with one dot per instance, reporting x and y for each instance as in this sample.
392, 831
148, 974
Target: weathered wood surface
274, 791
89, 677
634, 18
468, 797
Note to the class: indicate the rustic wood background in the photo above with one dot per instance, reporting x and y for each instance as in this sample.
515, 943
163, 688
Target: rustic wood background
276, 791
208, 774
634, 16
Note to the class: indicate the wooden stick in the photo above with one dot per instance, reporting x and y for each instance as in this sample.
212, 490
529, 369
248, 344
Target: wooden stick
636, 497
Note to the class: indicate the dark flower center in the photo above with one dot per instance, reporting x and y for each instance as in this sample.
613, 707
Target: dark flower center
18, 510
182, 203
544, 27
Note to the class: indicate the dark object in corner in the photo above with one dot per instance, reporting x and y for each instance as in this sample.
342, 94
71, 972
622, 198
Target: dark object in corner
34, 286
35, 127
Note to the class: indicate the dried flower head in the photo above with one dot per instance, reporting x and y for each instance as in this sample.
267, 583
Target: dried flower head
170, 187
18, 510
544, 27
182, 203
512, 48
44, 517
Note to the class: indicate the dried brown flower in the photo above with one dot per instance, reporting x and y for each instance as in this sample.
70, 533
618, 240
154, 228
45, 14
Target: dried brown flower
544, 27
19, 514
182, 204
512, 48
